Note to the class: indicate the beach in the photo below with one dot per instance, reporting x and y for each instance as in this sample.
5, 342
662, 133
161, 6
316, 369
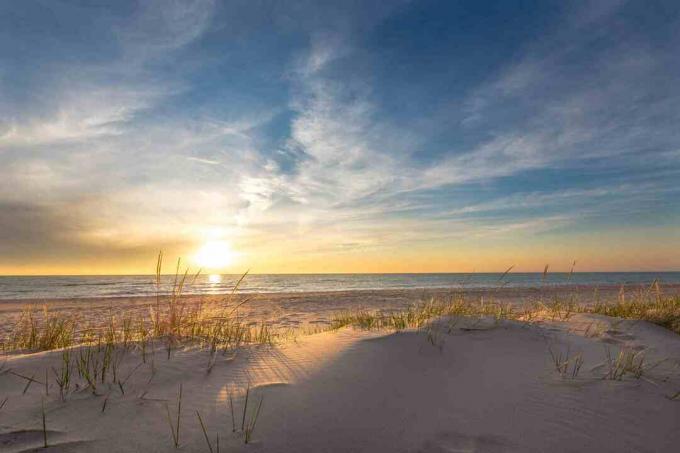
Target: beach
456, 383
300, 310
339, 226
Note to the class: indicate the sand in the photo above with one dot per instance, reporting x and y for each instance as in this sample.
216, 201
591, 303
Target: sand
302, 310
459, 386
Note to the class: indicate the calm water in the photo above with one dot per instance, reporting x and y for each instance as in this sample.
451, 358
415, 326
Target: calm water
140, 285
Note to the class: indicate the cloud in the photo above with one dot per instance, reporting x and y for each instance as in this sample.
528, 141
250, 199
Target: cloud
570, 106
348, 152
190, 122
90, 98
357, 164
85, 111
161, 26
32, 227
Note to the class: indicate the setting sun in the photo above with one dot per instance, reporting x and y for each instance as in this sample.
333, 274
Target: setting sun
215, 254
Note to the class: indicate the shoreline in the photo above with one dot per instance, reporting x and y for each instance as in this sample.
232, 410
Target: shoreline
51, 288
503, 291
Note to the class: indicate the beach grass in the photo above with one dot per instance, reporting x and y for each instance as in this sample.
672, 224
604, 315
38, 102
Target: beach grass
172, 321
217, 326
231, 409
63, 375
417, 315
205, 434
44, 424
626, 362
42, 333
568, 365
175, 427
651, 306
252, 421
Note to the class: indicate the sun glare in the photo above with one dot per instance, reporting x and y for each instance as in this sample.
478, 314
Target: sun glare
215, 255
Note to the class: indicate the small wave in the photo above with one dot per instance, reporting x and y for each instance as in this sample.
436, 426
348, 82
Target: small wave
130, 286
90, 284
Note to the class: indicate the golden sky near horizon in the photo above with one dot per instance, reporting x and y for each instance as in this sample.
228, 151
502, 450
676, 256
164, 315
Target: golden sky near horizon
607, 252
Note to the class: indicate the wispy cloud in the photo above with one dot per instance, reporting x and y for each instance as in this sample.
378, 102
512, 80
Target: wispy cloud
184, 121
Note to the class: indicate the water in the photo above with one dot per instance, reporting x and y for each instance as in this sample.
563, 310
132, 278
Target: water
142, 285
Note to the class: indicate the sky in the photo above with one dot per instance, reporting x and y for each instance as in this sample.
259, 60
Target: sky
346, 136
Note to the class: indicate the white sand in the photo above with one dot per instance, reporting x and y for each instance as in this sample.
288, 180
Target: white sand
299, 310
491, 389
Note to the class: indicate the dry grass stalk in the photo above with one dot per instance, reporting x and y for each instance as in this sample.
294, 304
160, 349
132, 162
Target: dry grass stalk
245, 407
626, 362
250, 427
44, 424
205, 433
650, 305
563, 360
175, 429
231, 407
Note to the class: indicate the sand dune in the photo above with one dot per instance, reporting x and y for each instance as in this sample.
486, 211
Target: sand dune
460, 385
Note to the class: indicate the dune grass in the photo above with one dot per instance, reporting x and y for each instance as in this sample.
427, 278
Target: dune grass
231, 409
205, 434
647, 305
568, 365
247, 422
175, 427
417, 315
626, 362
252, 420
91, 359
44, 424
172, 320
42, 333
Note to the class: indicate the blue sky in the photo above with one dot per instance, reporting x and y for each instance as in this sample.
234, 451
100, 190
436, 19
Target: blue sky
466, 135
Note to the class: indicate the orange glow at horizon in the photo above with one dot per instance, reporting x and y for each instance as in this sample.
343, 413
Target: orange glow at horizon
305, 255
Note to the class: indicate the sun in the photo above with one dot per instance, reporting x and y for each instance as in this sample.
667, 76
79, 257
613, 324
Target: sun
215, 255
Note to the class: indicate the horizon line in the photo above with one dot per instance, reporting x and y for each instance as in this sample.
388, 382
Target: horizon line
351, 273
